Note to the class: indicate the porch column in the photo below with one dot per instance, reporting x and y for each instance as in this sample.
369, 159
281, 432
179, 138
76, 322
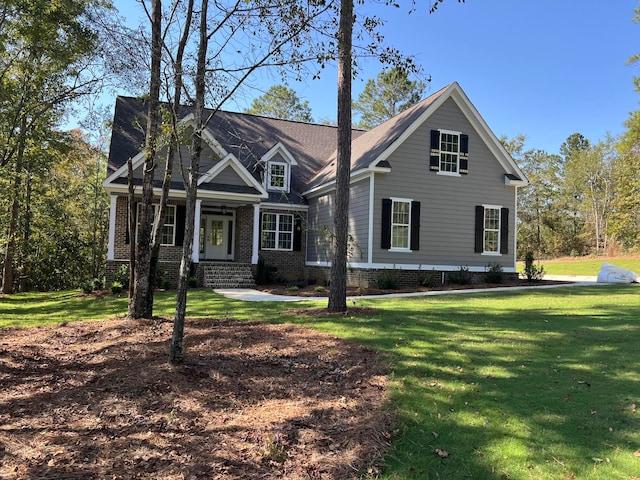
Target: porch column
111, 250
256, 233
195, 249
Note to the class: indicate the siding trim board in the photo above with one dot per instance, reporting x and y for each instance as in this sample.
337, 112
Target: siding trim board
410, 266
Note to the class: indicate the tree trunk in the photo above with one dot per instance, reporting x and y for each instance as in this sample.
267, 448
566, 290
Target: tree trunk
138, 304
174, 146
338, 275
7, 266
176, 354
131, 219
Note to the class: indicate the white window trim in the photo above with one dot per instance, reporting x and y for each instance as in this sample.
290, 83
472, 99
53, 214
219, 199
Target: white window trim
484, 250
287, 176
277, 231
395, 200
155, 209
440, 171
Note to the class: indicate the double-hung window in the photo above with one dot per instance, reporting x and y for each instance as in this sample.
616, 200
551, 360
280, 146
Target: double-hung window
277, 231
168, 233
277, 176
400, 224
491, 242
449, 152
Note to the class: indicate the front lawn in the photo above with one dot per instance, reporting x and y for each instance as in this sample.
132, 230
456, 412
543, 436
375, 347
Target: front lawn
540, 384
588, 266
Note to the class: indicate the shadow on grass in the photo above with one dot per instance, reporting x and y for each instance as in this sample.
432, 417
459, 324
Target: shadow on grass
540, 384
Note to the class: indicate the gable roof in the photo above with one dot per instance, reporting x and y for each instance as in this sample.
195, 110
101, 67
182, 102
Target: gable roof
247, 137
372, 149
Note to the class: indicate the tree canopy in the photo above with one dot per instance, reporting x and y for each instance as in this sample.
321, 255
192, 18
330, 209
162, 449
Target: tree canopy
281, 102
390, 93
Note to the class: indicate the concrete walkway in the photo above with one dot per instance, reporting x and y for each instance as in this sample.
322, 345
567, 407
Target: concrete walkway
252, 295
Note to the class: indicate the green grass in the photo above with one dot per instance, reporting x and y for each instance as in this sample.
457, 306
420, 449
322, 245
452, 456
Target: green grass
538, 384
589, 266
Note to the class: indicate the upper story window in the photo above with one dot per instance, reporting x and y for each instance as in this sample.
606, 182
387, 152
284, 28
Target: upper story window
449, 153
168, 227
277, 176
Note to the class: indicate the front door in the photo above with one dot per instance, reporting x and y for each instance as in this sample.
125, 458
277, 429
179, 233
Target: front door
216, 237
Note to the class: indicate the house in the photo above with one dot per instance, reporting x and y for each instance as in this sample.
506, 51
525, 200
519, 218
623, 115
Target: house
431, 190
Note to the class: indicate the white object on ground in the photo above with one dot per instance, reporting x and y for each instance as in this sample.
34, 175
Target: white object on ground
612, 274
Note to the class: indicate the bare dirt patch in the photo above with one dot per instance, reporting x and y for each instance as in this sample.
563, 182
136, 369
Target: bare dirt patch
97, 400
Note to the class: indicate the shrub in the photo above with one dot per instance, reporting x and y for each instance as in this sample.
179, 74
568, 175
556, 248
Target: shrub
319, 288
87, 286
294, 288
166, 284
431, 280
532, 271
98, 283
494, 273
116, 288
387, 280
121, 275
461, 276
192, 282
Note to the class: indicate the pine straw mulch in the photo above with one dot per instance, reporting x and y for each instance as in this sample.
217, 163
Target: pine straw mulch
97, 400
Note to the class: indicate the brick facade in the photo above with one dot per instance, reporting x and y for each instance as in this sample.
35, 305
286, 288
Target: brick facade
373, 278
286, 265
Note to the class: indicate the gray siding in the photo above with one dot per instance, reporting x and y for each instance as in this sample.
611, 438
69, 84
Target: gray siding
228, 176
447, 203
321, 216
359, 220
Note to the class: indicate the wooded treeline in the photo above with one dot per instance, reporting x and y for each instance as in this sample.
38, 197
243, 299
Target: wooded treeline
53, 210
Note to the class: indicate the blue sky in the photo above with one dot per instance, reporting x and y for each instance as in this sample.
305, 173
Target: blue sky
543, 68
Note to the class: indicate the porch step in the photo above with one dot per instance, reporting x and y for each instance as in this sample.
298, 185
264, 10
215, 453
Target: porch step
228, 275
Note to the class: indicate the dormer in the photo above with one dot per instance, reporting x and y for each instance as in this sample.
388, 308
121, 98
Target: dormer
277, 167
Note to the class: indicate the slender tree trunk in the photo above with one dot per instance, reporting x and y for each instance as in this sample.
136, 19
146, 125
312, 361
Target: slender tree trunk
138, 306
26, 236
131, 218
7, 266
338, 275
174, 147
176, 354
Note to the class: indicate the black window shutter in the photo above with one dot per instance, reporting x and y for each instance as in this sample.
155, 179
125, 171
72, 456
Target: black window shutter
479, 236
434, 156
297, 235
230, 238
385, 228
181, 211
415, 226
504, 230
464, 153
260, 232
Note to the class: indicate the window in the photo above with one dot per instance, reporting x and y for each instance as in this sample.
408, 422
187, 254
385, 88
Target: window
400, 224
277, 176
491, 243
449, 152
277, 231
168, 237
400, 229
492, 230
217, 233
